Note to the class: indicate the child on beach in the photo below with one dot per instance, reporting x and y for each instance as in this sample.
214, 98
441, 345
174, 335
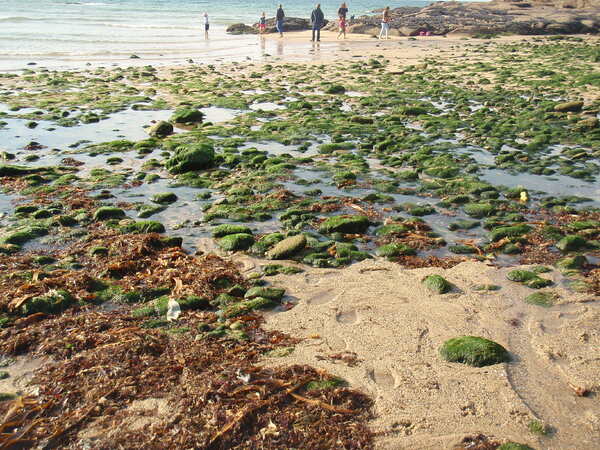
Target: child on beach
206, 25
279, 17
342, 12
262, 23
385, 23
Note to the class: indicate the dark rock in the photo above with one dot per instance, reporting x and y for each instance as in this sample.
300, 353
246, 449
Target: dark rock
241, 28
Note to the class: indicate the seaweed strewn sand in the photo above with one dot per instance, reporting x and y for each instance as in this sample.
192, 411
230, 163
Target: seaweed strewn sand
427, 229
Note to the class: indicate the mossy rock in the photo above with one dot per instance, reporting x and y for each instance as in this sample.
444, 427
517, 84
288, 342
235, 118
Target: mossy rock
395, 249
462, 249
391, 229
521, 276
227, 229
463, 225
514, 446
275, 269
545, 299
335, 89
187, 115
437, 284
99, 251
479, 210
187, 158
23, 235
161, 129
247, 306
51, 303
108, 212
474, 351
569, 106
235, 242
539, 283
143, 226
146, 211
287, 247
572, 263
510, 231
486, 287
275, 294
572, 243
164, 198
345, 224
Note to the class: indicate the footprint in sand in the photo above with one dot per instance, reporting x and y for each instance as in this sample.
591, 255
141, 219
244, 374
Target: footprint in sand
382, 377
321, 297
347, 317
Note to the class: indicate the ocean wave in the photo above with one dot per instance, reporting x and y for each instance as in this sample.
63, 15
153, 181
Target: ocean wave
19, 19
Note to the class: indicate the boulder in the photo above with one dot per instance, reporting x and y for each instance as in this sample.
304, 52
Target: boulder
161, 129
241, 28
187, 115
288, 247
289, 24
569, 107
191, 157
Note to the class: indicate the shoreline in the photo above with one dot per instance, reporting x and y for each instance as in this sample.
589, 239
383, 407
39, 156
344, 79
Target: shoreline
372, 157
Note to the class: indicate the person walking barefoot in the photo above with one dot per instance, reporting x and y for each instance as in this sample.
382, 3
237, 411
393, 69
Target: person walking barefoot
262, 23
206, 25
385, 23
317, 19
279, 17
342, 13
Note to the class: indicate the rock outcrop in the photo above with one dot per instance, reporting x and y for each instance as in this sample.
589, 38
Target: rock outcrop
500, 16
289, 24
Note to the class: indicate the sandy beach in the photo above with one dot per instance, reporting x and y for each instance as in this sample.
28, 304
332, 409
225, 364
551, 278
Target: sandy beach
363, 165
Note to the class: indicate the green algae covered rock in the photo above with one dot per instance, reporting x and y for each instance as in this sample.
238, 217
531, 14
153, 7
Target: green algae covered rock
545, 299
237, 241
437, 284
143, 226
275, 294
275, 269
227, 229
479, 210
164, 198
335, 89
187, 115
287, 247
345, 224
395, 249
529, 278
51, 303
191, 157
521, 276
23, 235
474, 351
572, 263
108, 212
510, 231
247, 306
390, 229
572, 243
462, 249
569, 107
161, 129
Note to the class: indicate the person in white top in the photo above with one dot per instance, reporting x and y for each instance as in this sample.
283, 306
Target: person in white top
206, 25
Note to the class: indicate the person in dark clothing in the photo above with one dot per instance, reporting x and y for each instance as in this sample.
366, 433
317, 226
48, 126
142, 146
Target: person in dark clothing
317, 19
342, 12
280, 16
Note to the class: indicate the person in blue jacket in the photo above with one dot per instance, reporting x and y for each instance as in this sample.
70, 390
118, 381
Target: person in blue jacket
317, 19
280, 16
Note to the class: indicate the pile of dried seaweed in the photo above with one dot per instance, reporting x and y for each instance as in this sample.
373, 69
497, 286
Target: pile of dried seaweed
116, 379
200, 393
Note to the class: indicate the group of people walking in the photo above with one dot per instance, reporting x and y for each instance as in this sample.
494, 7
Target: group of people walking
317, 20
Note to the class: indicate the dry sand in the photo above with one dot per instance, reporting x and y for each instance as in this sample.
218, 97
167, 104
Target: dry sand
382, 313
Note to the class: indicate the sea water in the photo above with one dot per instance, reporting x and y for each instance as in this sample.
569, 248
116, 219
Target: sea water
51, 32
